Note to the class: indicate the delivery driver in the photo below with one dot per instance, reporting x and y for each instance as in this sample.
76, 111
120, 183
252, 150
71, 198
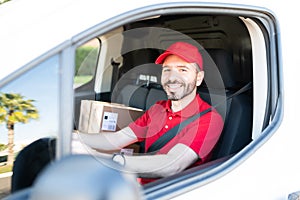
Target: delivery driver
182, 72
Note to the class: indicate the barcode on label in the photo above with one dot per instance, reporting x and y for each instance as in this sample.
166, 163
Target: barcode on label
109, 128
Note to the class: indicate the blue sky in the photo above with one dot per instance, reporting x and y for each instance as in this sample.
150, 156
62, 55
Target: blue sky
41, 85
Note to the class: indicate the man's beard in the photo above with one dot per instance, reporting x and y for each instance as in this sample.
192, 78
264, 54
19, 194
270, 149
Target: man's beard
187, 89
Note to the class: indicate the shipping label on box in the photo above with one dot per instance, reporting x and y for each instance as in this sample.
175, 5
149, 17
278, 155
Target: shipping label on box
97, 116
109, 121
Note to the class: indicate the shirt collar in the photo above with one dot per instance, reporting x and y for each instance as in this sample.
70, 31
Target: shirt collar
190, 110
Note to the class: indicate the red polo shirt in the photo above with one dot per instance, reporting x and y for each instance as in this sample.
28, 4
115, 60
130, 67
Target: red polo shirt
200, 135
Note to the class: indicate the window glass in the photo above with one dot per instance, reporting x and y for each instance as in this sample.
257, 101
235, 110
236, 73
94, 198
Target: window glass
229, 47
38, 89
86, 62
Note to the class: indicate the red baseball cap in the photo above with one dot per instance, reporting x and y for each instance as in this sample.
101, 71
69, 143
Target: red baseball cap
183, 50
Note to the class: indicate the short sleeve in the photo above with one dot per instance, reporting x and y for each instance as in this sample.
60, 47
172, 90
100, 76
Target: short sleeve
203, 134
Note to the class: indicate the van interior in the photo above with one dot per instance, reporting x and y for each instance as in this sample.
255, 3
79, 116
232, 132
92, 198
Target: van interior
130, 77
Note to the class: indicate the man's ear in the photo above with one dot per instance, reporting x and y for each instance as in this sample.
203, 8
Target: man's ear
200, 77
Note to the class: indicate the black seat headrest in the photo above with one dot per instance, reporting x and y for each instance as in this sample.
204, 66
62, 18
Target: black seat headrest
218, 68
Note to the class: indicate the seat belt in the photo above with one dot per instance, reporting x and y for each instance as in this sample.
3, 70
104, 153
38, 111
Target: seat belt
165, 138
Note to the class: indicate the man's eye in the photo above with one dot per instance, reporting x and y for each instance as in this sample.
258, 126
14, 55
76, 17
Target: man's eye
166, 70
183, 70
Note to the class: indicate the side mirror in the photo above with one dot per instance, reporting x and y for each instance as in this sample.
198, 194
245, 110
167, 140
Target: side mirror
84, 177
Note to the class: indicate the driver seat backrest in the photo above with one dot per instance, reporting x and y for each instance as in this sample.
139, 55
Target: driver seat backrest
220, 82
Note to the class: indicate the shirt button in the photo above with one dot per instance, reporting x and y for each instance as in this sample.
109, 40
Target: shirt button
170, 117
166, 126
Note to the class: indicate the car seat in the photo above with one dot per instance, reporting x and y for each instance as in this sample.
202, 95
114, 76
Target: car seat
31, 161
222, 81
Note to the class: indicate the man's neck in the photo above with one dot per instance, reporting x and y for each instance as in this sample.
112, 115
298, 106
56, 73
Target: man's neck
182, 103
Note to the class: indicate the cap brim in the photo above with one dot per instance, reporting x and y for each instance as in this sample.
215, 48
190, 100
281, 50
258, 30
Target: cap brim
162, 57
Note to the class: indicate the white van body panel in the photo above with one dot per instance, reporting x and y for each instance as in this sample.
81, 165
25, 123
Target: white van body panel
272, 172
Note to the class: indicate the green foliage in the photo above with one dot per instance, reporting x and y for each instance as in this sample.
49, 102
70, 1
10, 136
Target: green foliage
86, 58
13, 109
3, 1
82, 79
5, 168
3, 147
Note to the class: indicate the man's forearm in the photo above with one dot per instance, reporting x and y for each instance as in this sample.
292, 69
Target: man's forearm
152, 166
162, 165
109, 141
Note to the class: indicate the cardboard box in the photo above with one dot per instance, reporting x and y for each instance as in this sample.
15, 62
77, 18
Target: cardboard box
97, 116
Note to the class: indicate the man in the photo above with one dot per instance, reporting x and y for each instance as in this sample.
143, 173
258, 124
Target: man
182, 72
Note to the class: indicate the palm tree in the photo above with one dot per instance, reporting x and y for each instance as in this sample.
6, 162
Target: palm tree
14, 109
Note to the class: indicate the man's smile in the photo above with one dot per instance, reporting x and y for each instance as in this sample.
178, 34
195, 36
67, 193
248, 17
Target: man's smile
174, 86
